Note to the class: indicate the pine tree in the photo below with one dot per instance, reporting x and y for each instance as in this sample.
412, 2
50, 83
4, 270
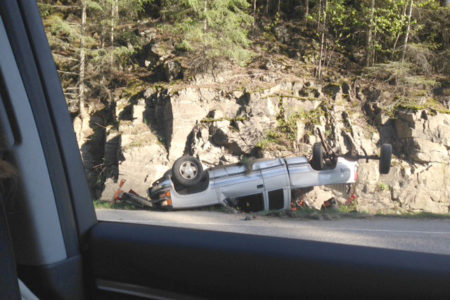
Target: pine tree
306, 10
84, 116
370, 32
212, 28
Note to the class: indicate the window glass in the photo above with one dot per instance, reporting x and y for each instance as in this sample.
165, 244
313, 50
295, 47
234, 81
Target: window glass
182, 108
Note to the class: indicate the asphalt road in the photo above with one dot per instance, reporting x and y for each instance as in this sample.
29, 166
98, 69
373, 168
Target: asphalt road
420, 235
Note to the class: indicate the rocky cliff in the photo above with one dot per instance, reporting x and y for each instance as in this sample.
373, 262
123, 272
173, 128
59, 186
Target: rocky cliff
222, 116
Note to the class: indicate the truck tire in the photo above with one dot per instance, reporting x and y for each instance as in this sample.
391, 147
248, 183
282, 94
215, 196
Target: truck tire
187, 171
385, 158
317, 158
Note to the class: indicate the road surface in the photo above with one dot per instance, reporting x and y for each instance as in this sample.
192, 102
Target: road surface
420, 235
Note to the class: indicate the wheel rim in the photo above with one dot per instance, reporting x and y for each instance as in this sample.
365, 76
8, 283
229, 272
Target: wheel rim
188, 170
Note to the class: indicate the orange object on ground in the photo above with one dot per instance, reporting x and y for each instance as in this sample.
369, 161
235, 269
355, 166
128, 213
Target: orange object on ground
118, 193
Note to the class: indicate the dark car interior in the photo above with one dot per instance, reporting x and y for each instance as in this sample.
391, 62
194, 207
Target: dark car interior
51, 239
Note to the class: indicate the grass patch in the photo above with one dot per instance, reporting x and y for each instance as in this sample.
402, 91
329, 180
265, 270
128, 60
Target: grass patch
432, 105
301, 214
416, 107
313, 214
100, 204
134, 89
383, 187
298, 98
212, 120
272, 139
348, 209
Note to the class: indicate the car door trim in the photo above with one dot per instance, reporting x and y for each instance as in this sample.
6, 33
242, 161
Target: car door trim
139, 290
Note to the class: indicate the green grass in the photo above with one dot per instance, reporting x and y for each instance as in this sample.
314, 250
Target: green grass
347, 209
100, 204
431, 105
237, 119
383, 187
313, 214
273, 137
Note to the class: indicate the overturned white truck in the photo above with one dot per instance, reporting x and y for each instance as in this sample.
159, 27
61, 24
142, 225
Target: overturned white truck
266, 184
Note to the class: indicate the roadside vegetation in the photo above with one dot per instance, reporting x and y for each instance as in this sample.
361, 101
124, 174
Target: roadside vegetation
100, 204
109, 49
102, 46
336, 212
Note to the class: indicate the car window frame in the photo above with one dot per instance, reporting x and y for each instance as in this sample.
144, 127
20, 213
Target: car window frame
230, 254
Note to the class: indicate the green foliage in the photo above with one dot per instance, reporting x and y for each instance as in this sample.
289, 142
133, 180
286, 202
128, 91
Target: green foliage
205, 34
219, 29
383, 187
401, 74
389, 71
100, 204
431, 105
93, 5
236, 119
63, 29
123, 53
347, 26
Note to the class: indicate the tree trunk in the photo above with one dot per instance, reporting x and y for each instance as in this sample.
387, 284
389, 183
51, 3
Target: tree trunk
306, 10
84, 115
407, 31
369, 34
266, 8
102, 34
320, 15
205, 22
102, 41
322, 41
373, 54
114, 14
279, 6
254, 12
394, 48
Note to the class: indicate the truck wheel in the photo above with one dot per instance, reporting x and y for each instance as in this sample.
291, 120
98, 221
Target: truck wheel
187, 171
317, 159
385, 158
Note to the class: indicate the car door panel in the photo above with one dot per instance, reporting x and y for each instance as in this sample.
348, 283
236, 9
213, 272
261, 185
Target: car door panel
239, 183
222, 265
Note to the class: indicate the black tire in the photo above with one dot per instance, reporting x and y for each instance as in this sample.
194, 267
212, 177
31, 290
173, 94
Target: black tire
317, 158
187, 171
385, 158
167, 174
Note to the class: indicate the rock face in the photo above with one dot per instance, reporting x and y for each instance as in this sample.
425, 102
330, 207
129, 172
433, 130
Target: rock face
424, 138
419, 182
218, 125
